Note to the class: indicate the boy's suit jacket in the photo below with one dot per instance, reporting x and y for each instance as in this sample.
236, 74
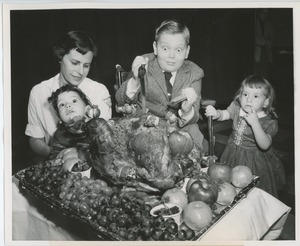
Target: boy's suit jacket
188, 75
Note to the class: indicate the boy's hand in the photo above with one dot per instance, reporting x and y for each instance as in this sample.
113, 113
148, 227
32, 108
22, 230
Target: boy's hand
138, 61
191, 97
211, 111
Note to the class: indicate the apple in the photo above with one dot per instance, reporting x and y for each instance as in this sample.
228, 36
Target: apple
172, 119
203, 190
175, 196
96, 112
181, 142
93, 112
227, 193
219, 172
241, 176
189, 183
197, 215
127, 109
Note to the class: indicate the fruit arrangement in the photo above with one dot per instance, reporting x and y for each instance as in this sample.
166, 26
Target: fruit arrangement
149, 156
113, 212
106, 208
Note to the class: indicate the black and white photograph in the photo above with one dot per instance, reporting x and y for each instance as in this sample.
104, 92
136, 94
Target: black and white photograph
130, 123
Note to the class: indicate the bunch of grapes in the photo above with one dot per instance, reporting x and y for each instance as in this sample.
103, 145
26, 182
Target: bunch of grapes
93, 199
130, 218
83, 195
45, 176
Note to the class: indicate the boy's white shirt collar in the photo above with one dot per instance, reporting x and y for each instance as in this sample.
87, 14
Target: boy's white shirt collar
259, 115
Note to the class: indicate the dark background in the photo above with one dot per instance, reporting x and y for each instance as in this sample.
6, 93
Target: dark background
222, 43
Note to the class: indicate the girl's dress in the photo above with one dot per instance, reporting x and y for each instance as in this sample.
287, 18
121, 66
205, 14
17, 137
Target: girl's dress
242, 149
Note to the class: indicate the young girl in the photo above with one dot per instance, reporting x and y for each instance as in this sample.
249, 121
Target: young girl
74, 109
254, 125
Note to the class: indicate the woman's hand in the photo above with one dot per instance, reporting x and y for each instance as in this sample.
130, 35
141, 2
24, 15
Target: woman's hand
191, 96
211, 111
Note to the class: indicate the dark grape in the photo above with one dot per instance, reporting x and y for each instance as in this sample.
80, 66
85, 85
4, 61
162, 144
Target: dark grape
122, 233
172, 227
166, 236
113, 226
146, 222
122, 221
181, 235
102, 220
84, 207
189, 234
74, 205
159, 221
146, 232
156, 233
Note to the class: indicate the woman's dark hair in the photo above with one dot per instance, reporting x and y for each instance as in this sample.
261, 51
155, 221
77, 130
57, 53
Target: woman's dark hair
66, 88
77, 40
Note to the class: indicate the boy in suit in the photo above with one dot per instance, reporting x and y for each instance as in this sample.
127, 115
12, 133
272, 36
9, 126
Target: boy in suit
169, 75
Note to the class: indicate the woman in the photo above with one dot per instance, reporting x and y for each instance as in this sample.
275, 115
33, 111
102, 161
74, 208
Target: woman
75, 52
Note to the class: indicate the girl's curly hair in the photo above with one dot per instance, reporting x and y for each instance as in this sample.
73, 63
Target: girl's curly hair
254, 81
66, 88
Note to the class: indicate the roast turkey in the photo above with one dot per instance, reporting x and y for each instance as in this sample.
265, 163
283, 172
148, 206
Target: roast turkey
135, 151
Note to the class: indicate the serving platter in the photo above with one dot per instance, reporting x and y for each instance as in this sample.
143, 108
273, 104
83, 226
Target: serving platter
53, 201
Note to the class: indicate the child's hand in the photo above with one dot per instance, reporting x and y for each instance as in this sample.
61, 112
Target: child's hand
138, 61
191, 96
251, 117
211, 111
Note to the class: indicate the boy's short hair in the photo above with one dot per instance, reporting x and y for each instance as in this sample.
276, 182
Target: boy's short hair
66, 88
173, 27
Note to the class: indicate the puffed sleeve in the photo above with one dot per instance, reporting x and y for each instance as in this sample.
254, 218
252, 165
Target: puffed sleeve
270, 127
34, 126
233, 109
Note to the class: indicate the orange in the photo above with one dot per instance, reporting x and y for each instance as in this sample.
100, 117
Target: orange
241, 176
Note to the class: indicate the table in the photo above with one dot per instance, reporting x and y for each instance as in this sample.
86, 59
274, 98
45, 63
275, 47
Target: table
259, 216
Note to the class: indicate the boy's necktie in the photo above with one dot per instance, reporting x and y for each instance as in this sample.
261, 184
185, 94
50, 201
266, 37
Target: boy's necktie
168, 76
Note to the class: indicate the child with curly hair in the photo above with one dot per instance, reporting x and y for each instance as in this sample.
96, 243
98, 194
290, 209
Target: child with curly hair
254, 125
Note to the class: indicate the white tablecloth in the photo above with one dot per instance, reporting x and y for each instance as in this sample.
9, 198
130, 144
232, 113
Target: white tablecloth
258, 216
